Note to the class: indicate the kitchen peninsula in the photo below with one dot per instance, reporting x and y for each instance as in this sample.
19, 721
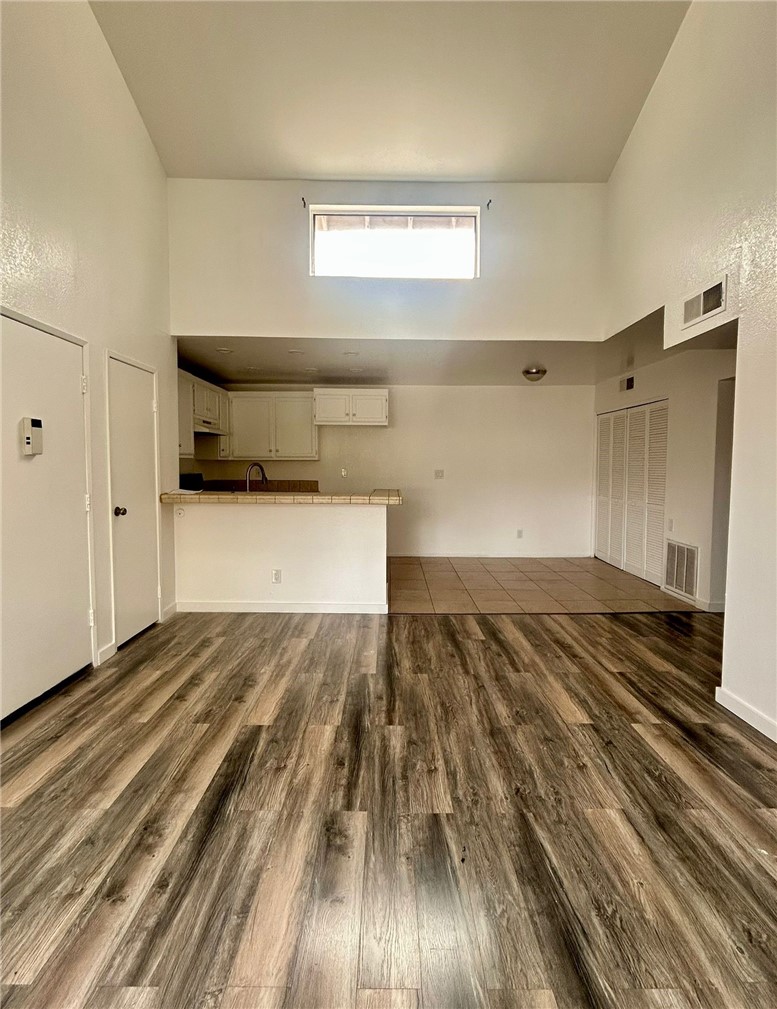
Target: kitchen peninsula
275, 551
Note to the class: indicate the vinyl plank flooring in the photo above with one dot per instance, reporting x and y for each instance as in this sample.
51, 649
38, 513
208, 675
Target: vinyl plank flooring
451, 968
327, 961
455, 811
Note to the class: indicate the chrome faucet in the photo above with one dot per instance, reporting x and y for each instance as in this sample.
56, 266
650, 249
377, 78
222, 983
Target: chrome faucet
250, 470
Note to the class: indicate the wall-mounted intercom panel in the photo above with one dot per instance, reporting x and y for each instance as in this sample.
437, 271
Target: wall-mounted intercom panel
32, 436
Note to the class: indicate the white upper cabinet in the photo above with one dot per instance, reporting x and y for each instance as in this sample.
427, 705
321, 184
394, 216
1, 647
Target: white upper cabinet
351, 406
185, 414
332, 406
273, 425
296, 436
253, 425
369, 406
206, 402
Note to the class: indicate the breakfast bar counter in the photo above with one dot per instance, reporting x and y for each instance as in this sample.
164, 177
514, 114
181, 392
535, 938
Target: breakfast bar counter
375, 497
281, 551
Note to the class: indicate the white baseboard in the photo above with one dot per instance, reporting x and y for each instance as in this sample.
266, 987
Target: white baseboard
250, 606
105, 653
168, 612
746, 711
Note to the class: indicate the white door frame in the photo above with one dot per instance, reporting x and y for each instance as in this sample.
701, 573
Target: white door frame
60, 334
112, 355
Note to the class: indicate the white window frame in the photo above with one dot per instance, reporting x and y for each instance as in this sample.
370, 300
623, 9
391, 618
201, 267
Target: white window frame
363, 210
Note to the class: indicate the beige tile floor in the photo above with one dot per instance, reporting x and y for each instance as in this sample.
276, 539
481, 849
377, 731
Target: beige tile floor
520, 585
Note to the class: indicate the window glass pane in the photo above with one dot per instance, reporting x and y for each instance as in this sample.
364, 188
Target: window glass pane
382, 244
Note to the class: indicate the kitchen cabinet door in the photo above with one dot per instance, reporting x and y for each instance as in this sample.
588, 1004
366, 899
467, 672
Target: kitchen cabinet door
200, 404
332, 406
185, 415
212, 403
369, 406
296, 436
223, 414
253, 425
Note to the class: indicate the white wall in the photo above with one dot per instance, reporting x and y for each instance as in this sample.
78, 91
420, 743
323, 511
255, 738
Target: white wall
694, 193
514, 457
239, 264
690, 382
84, 242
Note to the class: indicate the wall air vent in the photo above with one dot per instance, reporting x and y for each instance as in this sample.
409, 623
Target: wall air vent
703, 304
682, 565
627, 384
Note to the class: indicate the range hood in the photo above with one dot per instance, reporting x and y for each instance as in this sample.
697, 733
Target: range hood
207, 427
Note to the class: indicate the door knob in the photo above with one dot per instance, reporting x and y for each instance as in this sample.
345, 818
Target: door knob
119, 511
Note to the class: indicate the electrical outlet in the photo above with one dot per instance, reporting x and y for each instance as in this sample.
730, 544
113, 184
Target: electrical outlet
343, 472
276, 576
439, 474
519, 534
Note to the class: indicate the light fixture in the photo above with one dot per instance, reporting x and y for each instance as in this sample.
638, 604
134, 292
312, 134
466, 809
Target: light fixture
534, 374
225, 350
295, 351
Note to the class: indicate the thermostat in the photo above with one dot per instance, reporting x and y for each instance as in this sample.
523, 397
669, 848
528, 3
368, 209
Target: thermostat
32, 436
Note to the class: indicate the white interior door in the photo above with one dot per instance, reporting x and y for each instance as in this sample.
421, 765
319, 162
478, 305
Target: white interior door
46, 602
603, 464
134, 498
618, 488
636, 491
657, 448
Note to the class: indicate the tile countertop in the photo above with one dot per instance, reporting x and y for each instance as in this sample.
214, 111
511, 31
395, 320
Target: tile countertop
376, 497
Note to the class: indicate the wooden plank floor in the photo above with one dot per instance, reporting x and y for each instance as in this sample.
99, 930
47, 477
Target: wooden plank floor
405, 812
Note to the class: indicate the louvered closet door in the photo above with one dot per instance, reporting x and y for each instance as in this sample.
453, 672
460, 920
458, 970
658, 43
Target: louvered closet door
603, 456
657, 444
618, 488
636, 491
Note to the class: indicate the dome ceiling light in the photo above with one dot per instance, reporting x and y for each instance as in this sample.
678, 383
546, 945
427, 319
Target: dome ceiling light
534, 374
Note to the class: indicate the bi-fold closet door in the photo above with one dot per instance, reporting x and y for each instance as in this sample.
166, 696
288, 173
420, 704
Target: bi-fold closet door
631, 489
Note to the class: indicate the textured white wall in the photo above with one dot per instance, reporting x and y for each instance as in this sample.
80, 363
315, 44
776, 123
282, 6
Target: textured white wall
514, 457
239, 264
693, 194
690, 382
84, 239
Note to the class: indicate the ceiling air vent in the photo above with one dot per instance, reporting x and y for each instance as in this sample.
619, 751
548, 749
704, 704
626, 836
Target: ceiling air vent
682, 563
703, 304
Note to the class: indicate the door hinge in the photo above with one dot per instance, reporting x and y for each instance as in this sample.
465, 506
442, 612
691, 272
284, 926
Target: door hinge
91, 618
159, 591
84, 385
154, 406
88, 502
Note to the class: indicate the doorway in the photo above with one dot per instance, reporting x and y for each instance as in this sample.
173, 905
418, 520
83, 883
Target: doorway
134, 498
632, 446
724, 445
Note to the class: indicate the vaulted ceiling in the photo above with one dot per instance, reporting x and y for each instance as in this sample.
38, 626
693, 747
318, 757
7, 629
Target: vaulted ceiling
521, 91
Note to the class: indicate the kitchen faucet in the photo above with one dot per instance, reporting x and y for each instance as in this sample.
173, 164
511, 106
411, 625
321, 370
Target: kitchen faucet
250, 470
